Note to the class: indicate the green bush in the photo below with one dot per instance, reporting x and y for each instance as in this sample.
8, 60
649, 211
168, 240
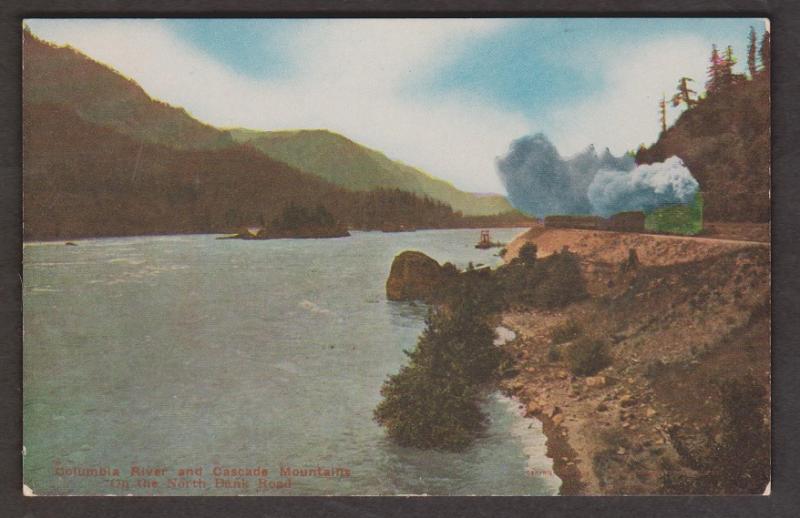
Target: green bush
548, 283
553, 354
527, 254
426, 409
587, 356
561, 281
566, 332
433, 402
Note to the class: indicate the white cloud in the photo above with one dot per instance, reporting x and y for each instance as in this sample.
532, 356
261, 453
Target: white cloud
624, 113
350, 81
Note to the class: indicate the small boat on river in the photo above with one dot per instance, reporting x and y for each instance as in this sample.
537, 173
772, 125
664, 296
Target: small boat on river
486, 241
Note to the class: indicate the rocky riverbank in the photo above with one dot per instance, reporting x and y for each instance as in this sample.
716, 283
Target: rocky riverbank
674, 334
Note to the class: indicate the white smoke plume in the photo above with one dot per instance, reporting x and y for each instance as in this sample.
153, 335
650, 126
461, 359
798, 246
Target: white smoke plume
542, 183
645, 188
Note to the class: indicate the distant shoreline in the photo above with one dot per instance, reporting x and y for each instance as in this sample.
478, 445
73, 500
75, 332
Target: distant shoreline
64, 239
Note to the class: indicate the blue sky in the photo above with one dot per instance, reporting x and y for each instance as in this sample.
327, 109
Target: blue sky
445, 95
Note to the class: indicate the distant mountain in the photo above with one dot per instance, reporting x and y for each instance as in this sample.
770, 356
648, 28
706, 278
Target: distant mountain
102, 96
350, 165
101, 158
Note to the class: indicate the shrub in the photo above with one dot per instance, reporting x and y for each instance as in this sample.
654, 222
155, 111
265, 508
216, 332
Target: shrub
433, 402
586, 356
549, 283
561, 281
566, 332
653, 369
553, 354
425, 409
527, 254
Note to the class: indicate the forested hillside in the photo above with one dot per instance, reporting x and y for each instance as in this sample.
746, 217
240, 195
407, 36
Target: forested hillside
83, 180
100, 95
102, 158
350, 165
724, 137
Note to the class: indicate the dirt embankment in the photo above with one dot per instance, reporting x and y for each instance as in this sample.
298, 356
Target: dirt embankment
694, 312
602, 246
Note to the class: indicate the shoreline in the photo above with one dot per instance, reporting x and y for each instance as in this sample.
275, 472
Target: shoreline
613, 432
558, 449
62, 240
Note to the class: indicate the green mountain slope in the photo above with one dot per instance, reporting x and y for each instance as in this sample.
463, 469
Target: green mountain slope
85, 180
100, 95
356, 167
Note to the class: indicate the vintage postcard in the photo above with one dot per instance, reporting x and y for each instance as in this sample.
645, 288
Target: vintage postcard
396, 256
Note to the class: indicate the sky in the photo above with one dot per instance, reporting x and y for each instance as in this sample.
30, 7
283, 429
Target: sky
445, 95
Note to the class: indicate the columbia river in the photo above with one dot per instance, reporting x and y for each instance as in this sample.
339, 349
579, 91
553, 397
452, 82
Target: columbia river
188, 352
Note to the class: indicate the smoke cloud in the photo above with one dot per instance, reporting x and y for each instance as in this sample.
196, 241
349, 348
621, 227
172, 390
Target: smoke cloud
645, 188
540, 182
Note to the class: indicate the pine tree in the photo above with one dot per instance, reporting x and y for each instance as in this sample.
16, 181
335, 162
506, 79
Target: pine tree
764, 53
751, 53
728, 61
714, 71
684, 94
662, 111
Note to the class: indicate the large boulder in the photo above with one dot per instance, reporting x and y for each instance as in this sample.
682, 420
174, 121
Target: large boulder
414, 276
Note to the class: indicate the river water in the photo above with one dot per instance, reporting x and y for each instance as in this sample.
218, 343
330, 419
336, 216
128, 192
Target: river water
191, 352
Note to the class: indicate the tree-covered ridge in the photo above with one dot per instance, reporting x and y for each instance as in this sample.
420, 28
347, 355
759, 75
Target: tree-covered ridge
84, 180
723, 137
350, 165
102, 96
102, 158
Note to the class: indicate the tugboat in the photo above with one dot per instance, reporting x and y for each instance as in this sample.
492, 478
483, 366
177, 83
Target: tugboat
486, 241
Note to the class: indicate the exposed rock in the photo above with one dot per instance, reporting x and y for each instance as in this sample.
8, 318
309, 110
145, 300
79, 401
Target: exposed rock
550, 410
650, 412
533, 408
558, 419
415, 276
596, 381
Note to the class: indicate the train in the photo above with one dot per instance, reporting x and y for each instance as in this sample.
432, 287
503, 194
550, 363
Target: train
632, 221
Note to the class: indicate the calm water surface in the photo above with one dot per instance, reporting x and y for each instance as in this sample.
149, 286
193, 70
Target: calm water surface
189, 351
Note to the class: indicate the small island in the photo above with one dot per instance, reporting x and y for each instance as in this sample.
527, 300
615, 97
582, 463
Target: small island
296, 222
